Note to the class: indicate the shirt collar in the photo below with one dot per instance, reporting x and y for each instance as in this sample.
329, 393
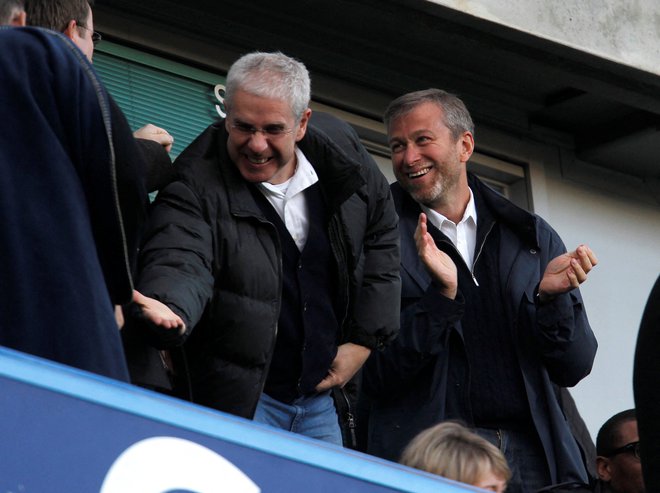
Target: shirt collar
303, 177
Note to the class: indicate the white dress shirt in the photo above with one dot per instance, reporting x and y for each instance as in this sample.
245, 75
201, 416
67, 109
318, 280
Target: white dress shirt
289, 200
463, 235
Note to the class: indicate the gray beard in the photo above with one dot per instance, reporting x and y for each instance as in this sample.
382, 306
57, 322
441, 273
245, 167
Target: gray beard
427, 197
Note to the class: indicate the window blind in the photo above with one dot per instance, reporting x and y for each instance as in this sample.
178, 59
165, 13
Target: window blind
149, 89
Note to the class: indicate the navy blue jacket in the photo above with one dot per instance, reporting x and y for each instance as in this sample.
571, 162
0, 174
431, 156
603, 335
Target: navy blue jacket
554, 343
64, 259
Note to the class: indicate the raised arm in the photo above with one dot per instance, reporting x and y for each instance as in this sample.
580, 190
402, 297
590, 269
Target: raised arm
562, 332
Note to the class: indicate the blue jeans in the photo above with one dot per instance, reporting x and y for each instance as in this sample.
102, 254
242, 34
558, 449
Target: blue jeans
524, 453
314, 416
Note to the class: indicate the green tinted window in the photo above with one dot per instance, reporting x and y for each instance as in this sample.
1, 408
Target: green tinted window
149, 89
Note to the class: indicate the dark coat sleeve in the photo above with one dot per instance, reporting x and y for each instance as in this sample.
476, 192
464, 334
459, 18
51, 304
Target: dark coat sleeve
562, 334
376, 308
159, 169
426, 323
426, 318
131, 192
175, 261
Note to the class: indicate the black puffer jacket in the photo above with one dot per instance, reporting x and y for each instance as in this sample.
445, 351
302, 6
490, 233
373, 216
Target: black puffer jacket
212, 256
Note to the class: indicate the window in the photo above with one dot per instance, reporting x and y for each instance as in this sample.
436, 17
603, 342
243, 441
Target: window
151, 89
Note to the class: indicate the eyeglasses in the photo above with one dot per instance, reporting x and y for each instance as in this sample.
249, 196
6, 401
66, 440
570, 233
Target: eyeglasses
269, 131
632, 447
96, 37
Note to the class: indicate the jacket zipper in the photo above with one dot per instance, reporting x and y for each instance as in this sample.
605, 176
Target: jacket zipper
481, 249
474, 263
350, 419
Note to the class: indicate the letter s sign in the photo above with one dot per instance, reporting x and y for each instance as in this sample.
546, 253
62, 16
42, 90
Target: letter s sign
219, 91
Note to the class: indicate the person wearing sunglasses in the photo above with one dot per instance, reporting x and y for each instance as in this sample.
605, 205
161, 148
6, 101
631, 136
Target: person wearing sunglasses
618, 461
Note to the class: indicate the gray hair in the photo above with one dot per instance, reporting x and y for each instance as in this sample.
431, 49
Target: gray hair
273, 76
456, 116
8, 9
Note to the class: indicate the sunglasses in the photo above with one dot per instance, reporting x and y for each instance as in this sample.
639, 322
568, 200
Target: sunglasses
632, 447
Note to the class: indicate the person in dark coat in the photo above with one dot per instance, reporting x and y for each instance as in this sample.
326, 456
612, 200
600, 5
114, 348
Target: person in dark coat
276, 251
646, 382
64, 261
618, 464
491, 318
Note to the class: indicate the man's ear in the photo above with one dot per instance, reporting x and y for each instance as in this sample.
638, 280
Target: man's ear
71, 30
604, 468
19, 20
302, 125
466, 142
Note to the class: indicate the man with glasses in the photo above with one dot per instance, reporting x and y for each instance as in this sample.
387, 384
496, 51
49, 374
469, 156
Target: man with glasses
74, 19
278, 252
618, 462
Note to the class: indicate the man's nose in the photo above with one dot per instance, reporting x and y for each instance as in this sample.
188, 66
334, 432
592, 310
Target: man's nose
411, 155
258, 142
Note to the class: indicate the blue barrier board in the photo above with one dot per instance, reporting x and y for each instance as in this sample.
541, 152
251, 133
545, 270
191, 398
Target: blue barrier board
65, 430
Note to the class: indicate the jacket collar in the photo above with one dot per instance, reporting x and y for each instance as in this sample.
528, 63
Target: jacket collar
339, 175
520, 221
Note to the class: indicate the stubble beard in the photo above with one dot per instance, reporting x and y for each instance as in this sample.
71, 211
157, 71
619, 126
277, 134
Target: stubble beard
443, 190
427, 196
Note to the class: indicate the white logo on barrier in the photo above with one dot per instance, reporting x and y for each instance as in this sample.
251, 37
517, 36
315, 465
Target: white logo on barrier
162, 464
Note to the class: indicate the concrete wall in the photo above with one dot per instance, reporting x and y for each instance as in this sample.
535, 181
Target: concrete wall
625, 31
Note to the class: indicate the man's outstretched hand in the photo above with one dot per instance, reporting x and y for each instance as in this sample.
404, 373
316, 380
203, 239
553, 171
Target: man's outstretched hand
158, 313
